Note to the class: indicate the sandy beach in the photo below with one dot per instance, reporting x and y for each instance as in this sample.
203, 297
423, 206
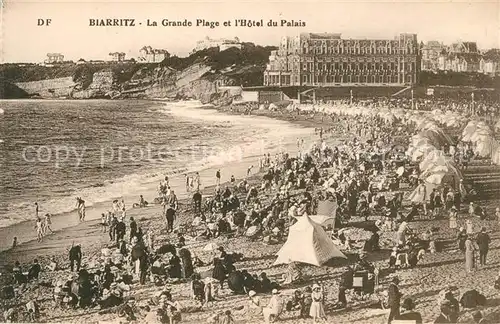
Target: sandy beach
423, 283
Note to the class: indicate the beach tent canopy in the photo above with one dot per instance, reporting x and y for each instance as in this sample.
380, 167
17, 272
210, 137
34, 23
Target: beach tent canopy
486, 146
322, 220
308, 243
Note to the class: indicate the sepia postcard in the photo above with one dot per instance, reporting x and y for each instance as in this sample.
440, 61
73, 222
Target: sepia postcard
250, 162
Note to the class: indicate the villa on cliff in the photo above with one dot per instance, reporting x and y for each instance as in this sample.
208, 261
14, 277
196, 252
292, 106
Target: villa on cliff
54, 58
117, 56
222, 43
147, 54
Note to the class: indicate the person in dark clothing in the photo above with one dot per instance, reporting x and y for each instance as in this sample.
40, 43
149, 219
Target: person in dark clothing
19, 277
219, 273
394, 300
123, 248
235, 281
266, 283
248, 282
483, 241
187, 262
346, 282
197, 198
120, 230
108, 277
453, 305
143, 269
175, 269
133, 228
410, 314
170, 216
75, 257
112, 228
34, 270
445, 313
462, 237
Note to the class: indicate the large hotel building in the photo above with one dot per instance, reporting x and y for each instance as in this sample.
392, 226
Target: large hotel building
328, 60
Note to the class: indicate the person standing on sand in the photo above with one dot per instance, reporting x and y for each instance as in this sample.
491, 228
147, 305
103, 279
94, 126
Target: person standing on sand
317, 310
80, 205
470, 250
75, 257
36, 209
483, 241
197, 183
217, 178
188, 183
394, 300
104, 222
47, 222
39, 229
249, 170
14, 242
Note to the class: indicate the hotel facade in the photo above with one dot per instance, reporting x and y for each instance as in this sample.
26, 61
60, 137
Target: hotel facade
328, 60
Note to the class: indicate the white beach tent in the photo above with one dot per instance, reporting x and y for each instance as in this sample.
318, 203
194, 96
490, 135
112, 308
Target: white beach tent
308, 242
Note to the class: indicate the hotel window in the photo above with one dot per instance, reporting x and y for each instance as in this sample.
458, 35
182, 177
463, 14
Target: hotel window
380, 79
377, 66
336, 65
304, 78
341, 49
304, 66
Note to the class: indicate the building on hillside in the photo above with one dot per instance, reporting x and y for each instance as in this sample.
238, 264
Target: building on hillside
460, 57
430, 55
117, 56
222, 43
327, 60
489, 66
147, 54
80, 62
54, 58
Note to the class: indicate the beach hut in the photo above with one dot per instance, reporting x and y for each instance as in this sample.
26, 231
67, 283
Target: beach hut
308, 243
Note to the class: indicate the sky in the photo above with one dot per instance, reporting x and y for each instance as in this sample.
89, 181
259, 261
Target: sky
70, 34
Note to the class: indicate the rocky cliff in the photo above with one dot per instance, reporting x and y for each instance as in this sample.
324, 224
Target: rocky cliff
51, 88
195, 77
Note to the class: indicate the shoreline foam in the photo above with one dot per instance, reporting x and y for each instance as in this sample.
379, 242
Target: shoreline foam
148, 186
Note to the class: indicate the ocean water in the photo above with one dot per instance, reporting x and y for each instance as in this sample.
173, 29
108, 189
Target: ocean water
54, 151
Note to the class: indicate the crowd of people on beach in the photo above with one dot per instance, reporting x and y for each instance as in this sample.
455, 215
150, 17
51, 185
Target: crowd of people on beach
366, 175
